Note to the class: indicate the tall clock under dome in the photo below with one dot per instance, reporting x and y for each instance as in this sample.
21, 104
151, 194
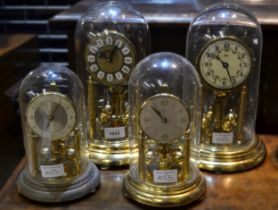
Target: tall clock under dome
110, 39
225, 44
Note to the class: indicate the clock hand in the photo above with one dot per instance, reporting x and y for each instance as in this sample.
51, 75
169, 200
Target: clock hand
163, 119
52, 114
104, 55
112, 54
225, 66
229, 75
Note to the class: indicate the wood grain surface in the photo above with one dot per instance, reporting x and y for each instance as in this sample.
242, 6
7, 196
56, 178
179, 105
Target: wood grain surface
8, 43
253, 189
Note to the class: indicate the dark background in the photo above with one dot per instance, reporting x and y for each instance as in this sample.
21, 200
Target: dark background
53, 43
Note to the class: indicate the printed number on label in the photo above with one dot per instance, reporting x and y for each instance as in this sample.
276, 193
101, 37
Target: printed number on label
114, 133
222, 138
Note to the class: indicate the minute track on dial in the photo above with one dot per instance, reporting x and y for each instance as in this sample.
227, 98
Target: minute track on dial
164, 118
224, 63
54, 123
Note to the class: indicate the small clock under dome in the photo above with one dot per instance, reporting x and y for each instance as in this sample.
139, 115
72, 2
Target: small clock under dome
55, 137
163, 115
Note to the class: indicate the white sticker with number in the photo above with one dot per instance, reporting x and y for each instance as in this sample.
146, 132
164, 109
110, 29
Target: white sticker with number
222, 138
165, 176
50, 171
114, 133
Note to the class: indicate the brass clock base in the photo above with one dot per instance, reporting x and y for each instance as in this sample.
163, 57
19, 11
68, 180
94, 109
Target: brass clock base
54, 193
165, 195
108, 154
231, 160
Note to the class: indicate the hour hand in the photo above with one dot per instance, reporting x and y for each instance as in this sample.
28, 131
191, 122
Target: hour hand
104, 55
225, 66
51, 114
163, 119
112, 53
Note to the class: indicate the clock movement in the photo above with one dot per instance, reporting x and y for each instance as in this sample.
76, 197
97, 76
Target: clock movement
164, 102
52, 114
110, 39
224, 43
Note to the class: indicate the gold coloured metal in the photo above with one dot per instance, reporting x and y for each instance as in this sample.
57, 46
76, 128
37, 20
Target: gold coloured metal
206, 125
31, 148
220, 97
229, 122
110, 57
105, 152
227, 159
178, 194
240, 123
237, 155
163, 156
108, 154
91, 105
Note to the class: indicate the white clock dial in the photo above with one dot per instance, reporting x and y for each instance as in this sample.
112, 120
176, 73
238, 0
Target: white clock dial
110, 57
224, 64
51, 115
164, 118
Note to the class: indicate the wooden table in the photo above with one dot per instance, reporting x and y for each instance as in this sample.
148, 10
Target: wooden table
254, 189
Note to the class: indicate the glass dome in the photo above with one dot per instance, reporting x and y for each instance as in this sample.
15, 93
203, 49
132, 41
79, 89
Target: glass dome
53, 121
109, 40
163, 115
225, 43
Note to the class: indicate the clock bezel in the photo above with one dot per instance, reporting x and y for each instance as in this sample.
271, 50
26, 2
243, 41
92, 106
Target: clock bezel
200, 54
147, 101
40, 132
132, 54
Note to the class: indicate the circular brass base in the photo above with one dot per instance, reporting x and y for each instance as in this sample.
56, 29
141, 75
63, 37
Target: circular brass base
230, 160
54, 193
108, 154
165, 195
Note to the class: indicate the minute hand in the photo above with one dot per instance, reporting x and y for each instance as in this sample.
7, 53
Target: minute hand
225, 66
110, 59
163, 119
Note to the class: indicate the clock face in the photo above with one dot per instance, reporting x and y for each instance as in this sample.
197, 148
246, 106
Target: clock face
164, 118
110, 57
224, 64
51, 115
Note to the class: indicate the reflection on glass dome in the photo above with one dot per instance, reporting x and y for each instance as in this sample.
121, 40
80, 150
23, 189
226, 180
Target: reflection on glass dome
110, 39
163, 106
224, 44
52, 113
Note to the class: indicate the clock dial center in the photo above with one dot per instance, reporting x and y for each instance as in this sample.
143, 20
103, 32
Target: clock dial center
224, 63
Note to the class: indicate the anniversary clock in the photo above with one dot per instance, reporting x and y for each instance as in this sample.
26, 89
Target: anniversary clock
110, 39
224, 43
52, 113
164, 102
